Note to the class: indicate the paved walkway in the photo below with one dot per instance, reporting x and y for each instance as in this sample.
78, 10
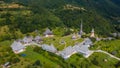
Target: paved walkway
107, 54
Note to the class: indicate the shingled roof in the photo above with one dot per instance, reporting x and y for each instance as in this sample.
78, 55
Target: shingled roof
67, 52
48, 32
49, 48
16, 46
27, 39
37, 38
88, 41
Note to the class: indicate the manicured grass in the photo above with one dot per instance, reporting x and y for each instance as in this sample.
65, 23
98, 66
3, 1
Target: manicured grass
76, 60
50, 60
56, 41
109, 46
33, 56
102, 60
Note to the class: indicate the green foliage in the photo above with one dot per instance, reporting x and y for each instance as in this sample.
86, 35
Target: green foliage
77, 60
57, 41
15, 60
109, 46
117, 65
93, 39
39, 14
6, 54
102, 60
38, 58
37, 63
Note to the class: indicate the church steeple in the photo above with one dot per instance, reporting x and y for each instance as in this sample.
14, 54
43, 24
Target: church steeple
81, 28
92, 30
92, 33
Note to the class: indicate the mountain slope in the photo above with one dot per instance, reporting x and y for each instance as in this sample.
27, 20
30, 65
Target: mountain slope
117, 2
39, 14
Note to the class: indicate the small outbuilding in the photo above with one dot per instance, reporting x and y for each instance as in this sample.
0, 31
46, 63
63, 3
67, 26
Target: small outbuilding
48, 33
38, 39
27, 40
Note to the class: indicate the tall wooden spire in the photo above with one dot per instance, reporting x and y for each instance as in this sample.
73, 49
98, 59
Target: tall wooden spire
81, 28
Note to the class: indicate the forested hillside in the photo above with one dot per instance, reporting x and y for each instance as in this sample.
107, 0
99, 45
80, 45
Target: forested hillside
116, 2
31, 15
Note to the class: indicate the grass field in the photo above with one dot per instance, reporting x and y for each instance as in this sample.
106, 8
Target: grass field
97, 60
50, 60
56, 41
112, 46
32, 56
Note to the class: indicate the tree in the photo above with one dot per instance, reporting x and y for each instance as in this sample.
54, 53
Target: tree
37, 63
15, 60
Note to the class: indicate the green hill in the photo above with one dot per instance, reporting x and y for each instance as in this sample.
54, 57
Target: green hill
103, 15
19, 18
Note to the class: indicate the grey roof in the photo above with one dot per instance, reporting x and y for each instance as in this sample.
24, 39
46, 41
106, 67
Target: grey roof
82, 48
74, 36
17, 46
78, 48
87, 41
47, 31
110, 38
27, 39
37, 38
49, 48
114, 34
98, 39
118, 34
19, 40
6, 64
67, 52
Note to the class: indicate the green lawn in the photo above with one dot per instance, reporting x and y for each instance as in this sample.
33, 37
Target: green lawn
97, 60
50, 60
56, 41
32, 56
102, 60
109, 46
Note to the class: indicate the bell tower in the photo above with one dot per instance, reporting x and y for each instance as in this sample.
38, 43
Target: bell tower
92, 33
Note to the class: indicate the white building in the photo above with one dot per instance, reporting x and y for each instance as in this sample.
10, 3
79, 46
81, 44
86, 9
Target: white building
67, 52
17, 47
49, 48
74, 37
82, 48
48, 33
27, 40
38, 39
87, 41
